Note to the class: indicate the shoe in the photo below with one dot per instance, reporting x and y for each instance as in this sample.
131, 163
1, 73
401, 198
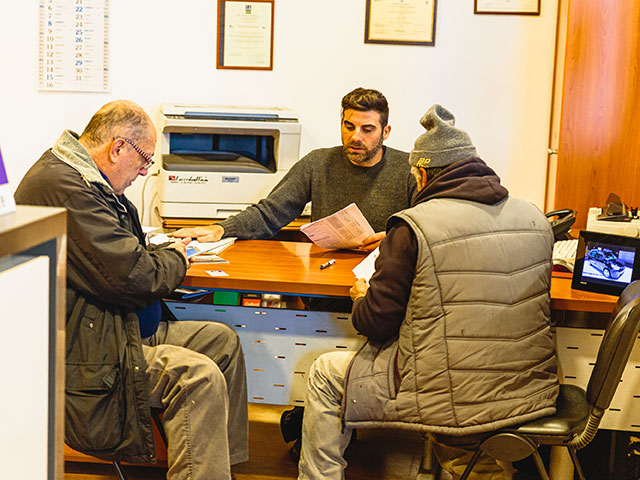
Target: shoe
291, 424
295, 450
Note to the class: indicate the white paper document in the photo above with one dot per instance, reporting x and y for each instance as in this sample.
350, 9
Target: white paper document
217, 273
194, 247
346, 228
367, 267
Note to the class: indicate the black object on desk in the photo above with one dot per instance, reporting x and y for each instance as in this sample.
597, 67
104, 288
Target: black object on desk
605, 263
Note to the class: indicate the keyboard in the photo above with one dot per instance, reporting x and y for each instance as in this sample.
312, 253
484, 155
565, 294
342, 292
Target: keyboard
564, 253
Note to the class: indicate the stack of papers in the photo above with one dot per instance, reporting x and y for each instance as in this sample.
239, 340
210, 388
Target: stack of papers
347, 228
195, 248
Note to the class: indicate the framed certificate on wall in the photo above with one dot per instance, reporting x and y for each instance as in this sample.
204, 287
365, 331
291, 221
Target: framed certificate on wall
402, 22
245, 34
507, 7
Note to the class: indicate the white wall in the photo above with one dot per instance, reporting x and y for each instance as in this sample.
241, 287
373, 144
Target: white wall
493, 72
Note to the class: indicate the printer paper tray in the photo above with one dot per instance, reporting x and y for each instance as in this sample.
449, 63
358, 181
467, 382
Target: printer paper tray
214, 162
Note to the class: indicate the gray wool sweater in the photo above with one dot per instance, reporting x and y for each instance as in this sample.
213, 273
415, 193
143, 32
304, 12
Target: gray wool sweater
330, 181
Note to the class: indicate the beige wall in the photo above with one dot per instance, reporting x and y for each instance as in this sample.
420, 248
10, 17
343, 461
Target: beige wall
493, 72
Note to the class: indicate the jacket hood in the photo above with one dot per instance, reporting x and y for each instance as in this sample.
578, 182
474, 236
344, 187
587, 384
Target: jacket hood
69, 150
468, 179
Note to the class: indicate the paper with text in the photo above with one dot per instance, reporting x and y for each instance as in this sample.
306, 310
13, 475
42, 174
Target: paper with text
194, 247
346, 228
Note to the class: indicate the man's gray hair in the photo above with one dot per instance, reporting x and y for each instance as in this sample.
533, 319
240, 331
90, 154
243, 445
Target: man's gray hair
121, 118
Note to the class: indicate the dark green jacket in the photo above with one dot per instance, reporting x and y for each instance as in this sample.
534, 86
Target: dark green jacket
110, 275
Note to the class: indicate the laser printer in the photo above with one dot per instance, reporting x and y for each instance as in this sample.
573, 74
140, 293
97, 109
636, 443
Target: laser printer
217, 160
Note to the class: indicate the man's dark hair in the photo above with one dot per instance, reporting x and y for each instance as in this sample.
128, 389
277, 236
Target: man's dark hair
364, 99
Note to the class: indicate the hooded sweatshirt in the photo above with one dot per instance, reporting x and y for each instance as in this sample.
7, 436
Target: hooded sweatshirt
380, 313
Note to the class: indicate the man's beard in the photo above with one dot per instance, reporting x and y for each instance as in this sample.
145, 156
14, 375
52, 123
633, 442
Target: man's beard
363, 157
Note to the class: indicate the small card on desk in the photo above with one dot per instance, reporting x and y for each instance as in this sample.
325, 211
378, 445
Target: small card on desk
217, 273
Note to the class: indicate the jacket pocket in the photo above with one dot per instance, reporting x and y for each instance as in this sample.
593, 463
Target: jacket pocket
93, 407
393, 376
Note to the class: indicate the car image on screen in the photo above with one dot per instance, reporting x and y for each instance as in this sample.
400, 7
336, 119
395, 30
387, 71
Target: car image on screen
606, 261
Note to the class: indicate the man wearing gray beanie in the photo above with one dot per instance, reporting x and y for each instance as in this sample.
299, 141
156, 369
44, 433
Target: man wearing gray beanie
456, 313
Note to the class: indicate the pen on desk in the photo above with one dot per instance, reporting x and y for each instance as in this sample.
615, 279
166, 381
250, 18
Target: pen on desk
328, 264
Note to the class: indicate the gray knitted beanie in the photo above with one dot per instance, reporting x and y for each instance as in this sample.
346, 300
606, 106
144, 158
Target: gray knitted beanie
442, 143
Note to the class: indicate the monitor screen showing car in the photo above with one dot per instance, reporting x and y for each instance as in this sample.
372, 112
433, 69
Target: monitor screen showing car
606, 263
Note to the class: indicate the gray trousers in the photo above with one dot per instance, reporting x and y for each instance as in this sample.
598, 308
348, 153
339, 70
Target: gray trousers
324, 443
197, 377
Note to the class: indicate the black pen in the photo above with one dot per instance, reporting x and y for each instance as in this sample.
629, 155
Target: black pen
328, 264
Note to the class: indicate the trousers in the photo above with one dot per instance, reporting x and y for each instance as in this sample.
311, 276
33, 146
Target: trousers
197, 377
324, 440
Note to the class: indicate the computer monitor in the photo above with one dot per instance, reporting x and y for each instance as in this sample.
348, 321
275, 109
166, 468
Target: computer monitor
606, 263
7, 204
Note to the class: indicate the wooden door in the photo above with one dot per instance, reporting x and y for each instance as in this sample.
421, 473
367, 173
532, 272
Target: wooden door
598, 149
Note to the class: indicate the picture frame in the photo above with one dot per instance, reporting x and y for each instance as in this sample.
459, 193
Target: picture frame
245, 34
506, 7
409, 22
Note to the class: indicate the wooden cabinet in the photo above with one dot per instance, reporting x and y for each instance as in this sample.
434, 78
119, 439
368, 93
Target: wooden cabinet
596, 119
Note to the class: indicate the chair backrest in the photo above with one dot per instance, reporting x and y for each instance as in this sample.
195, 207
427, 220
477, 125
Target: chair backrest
616, 346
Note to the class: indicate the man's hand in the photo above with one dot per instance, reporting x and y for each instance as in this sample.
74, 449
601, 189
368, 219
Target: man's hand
359, 289
181, 246
210, 233
370, 243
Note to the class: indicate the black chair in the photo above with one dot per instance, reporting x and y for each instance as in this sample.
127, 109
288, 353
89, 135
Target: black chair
578, 412
155, 414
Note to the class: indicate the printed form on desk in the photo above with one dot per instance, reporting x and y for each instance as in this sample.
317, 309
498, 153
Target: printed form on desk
347, 228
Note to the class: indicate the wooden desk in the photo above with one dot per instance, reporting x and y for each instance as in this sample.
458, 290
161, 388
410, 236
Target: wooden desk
294, 267
563, 297
279, 267
202, 222
279, 344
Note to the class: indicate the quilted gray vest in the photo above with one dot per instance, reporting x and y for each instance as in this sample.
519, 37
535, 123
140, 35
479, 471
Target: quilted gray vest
475, 351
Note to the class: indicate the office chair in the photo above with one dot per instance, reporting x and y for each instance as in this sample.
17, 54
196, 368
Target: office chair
578, 412
155, 414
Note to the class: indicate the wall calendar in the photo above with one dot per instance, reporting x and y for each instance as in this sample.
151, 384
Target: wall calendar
73, 45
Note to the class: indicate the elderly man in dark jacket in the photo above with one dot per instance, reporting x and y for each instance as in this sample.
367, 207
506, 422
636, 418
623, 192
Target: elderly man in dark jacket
456, 313
124, 355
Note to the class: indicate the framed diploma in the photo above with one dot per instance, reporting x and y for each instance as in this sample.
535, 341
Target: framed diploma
507, 7
402, 22
245, 34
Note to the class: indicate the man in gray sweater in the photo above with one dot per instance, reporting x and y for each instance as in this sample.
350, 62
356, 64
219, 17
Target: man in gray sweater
456, 316
361, 171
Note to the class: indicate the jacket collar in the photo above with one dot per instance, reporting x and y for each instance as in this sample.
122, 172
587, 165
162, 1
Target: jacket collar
69, 150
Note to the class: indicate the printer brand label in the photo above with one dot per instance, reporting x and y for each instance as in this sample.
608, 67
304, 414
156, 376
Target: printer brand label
230, 179
190, 179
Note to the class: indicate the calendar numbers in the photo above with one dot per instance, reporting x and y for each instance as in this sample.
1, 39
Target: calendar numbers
74, 45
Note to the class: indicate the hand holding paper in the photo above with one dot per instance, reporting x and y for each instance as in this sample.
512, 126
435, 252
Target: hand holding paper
366, 268
194, 247
347, 228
